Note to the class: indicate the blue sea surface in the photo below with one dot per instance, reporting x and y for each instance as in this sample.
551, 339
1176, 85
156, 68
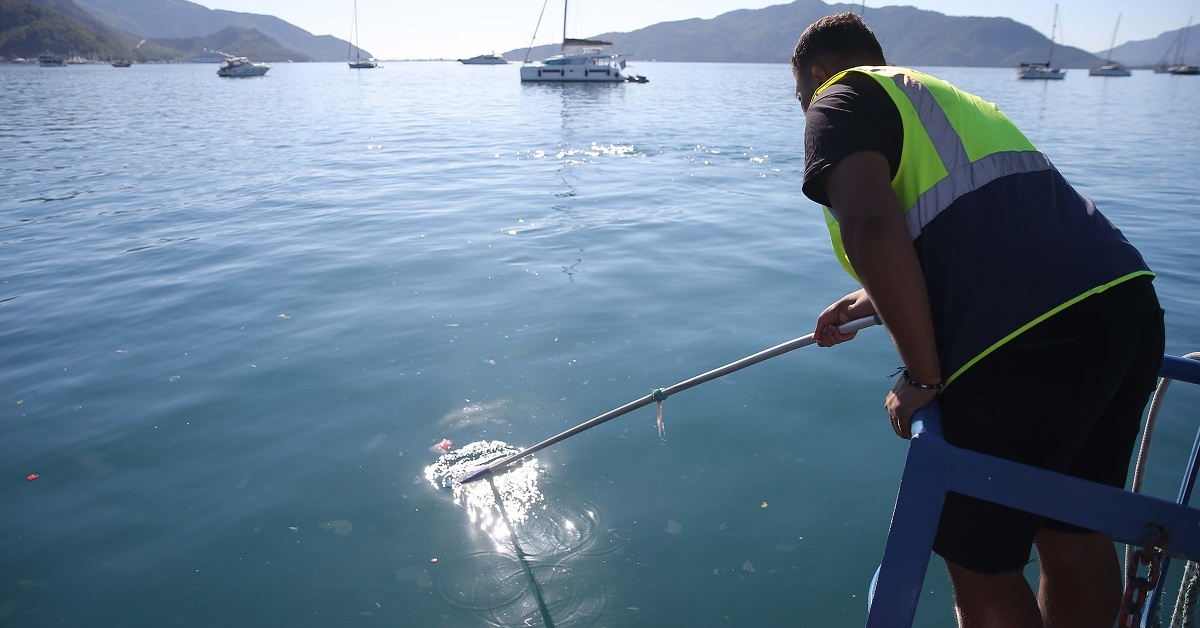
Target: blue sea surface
236, 314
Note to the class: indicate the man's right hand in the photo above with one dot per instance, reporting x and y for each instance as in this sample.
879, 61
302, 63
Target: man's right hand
850, 307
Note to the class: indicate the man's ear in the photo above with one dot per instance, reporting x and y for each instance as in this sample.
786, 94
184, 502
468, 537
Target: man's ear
819, 75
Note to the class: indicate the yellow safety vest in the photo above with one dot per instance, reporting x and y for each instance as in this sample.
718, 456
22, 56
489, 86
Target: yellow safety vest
954, 143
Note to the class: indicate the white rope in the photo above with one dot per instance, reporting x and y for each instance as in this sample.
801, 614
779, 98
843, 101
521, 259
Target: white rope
1186, 603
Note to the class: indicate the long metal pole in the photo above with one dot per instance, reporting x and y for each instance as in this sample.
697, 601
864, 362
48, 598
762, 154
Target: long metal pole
663, 393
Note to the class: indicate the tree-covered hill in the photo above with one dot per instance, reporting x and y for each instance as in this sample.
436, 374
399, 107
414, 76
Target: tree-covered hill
31, 27
59, 27
180, 19
237, 41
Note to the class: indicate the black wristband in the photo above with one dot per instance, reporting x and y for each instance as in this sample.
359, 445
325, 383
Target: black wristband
912, 382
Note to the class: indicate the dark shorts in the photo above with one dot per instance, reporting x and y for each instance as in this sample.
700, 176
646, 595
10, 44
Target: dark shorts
1066, 395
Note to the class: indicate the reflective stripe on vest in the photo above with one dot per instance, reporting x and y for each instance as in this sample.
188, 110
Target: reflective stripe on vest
930, 180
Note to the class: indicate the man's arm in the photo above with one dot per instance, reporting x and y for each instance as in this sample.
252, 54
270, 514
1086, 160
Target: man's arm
877, 242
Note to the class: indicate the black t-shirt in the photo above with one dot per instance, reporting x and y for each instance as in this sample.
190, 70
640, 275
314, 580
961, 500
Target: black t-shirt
853, 115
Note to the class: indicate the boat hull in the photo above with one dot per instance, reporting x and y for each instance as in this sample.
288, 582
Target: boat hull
1105, 71
570, 74
484, 60
244, 72
1041, 74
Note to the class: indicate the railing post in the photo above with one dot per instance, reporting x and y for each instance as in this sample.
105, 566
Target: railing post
897, 589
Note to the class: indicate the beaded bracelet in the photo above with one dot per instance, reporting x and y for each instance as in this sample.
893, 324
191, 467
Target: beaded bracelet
912, 382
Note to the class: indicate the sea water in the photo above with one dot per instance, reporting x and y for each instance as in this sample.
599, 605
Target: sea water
235, 314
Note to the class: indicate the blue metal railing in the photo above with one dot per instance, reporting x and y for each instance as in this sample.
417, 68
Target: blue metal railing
935, 467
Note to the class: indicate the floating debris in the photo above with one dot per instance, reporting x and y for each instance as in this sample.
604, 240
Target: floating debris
339, 526
674, 527
746, 566
414, 573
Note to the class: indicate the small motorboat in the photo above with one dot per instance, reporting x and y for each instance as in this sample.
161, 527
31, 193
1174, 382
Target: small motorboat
492, 59
241, 66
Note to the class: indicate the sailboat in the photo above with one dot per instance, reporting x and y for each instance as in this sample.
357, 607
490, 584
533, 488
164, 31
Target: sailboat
1181, 66
579, 60
1043, 71
358, 63
1110, 67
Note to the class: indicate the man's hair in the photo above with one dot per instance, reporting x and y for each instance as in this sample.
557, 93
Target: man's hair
843, 37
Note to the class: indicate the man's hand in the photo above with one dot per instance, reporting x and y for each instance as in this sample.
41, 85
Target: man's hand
850, 307
902, 402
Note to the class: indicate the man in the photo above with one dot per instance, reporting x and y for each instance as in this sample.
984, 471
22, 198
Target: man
1009, 297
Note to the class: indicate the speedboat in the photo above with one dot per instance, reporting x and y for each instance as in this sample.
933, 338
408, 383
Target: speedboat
241, 66
1110, 69
484, 60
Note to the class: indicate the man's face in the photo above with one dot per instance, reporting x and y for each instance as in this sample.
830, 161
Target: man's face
807, 82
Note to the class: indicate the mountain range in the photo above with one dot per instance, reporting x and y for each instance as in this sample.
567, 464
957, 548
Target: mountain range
162, 30
155, 30
910, 36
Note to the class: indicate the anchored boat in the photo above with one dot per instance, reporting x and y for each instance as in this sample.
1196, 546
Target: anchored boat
1044, 71
358, 63
491, 59
1110, 67
241, 66
579, 60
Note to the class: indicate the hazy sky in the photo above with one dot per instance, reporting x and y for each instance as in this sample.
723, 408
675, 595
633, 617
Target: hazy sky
423, 29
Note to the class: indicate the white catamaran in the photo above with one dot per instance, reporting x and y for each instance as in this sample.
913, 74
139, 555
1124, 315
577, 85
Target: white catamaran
579, 60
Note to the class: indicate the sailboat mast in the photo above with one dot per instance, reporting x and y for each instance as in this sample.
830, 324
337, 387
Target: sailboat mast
1053, 25
1113, 42
1182, 52
564, 44
354, 43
